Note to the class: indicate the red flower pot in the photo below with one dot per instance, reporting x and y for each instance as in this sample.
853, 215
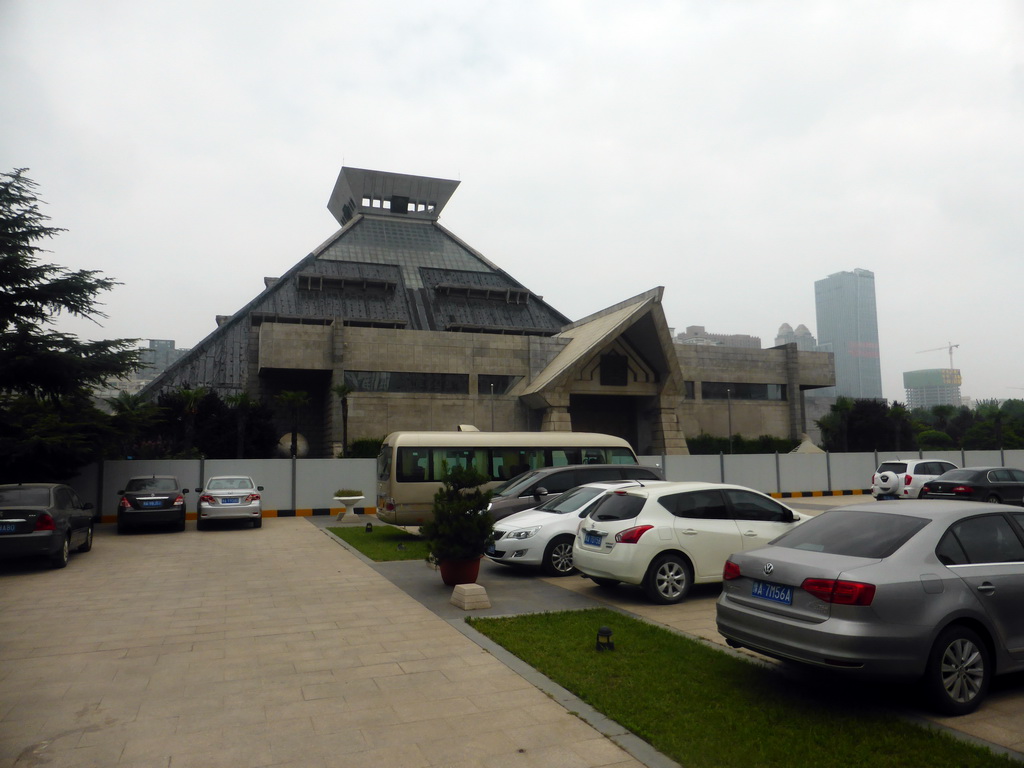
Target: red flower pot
455, 572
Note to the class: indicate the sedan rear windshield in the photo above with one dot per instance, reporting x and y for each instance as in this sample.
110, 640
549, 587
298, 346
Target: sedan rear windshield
853, 533
616, 506
25, 497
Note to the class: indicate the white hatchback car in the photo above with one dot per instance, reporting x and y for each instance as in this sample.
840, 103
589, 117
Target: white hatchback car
669, 536
904, 478
542, 537
232, 497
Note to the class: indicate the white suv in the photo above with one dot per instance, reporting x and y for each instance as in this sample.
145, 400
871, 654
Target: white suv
903, 478
668, 536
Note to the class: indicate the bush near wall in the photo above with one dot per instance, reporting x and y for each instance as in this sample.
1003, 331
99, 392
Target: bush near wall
705, 444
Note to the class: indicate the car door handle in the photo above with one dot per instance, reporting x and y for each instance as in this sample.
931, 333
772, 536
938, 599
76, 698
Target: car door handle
689, 531
751, 534
987, 588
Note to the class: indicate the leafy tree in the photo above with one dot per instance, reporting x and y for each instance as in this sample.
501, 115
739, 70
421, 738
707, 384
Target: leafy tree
48, 424
133, 418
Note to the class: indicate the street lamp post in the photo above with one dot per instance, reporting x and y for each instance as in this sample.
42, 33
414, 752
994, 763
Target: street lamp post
728, 398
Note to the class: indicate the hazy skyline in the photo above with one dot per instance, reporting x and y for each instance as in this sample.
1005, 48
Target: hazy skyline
732, 152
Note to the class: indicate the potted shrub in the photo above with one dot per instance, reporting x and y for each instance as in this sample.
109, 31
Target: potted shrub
462, 527
347, 498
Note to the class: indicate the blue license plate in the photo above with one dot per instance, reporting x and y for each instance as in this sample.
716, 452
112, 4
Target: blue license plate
229, 500
152, 503
774, 592
7, 528
592, 539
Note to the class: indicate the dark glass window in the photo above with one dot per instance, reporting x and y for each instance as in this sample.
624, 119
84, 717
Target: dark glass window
614, 370
408, 382
988, 539
853, 533
752, 506
702, 505
501, 384
724, 390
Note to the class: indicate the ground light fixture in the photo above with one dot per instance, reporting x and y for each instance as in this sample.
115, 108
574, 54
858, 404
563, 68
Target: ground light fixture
604, 639
369, 527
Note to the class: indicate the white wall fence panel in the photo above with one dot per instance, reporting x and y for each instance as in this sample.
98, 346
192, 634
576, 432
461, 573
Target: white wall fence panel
306, 486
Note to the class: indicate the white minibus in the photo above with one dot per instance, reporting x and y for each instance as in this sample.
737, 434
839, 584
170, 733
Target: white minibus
411, 464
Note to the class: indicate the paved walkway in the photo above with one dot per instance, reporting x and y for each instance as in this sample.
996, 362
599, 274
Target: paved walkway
278, 647
272, 647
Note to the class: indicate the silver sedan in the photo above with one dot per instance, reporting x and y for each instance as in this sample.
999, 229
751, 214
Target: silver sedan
930, 590
229, 497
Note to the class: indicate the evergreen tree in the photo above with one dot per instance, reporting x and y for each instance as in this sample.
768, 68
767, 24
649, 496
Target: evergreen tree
48, 425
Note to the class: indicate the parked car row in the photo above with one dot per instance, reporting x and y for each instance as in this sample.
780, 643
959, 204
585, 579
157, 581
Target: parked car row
928, 591
45, 520
160, 500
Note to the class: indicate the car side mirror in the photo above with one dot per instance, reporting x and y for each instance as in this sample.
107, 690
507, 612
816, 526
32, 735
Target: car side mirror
540, 492
87, 505
259, 487
198, 490
184, 490
120, 493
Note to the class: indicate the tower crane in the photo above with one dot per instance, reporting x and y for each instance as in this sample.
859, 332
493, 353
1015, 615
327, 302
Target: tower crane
949, 346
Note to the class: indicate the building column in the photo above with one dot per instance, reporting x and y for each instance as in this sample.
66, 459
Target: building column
666, 434
556, 418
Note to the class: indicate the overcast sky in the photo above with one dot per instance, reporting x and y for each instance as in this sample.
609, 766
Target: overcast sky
733, 152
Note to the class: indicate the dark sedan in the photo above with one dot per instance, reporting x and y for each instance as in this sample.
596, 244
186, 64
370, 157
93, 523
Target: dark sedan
151, 500
45, 520
997, 485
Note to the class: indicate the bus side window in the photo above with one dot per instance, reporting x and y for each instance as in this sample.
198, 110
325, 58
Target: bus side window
413, 465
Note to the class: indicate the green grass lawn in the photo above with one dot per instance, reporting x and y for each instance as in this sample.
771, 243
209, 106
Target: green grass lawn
705, 708
386, 542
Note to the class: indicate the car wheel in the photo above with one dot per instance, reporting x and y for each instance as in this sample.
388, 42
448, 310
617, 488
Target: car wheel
959, 671
606, 583
87, 544
180, 526
59, 559
200, 524
668, 580
992, 499
558, 557
257, 522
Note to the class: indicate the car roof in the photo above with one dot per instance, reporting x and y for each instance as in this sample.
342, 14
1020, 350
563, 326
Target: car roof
153, 477
932, 509
662, 487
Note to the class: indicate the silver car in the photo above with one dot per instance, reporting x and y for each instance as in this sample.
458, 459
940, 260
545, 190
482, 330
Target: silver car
230, 497
930, 590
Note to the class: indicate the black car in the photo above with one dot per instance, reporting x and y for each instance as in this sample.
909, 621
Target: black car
998, 485
151, 500
45, 520
533, 487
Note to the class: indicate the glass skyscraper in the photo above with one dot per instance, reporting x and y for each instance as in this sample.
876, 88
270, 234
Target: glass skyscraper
848, 328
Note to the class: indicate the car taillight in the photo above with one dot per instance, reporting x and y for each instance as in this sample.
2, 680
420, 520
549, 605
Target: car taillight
45, 522
963, 489
731, 571
207, 499
874, 479
907, 479
252, 497
390, 505
179, 501
840, 592
632, 535
124, 503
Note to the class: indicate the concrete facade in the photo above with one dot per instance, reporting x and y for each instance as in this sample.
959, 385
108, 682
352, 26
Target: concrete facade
396, 324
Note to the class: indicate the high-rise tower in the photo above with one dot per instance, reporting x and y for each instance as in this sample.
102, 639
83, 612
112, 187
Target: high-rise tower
848, 327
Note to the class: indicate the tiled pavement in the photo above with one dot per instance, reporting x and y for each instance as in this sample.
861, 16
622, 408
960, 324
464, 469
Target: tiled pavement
271, 647
278, 647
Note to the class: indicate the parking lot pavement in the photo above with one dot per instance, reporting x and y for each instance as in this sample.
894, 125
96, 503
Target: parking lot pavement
270, 647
